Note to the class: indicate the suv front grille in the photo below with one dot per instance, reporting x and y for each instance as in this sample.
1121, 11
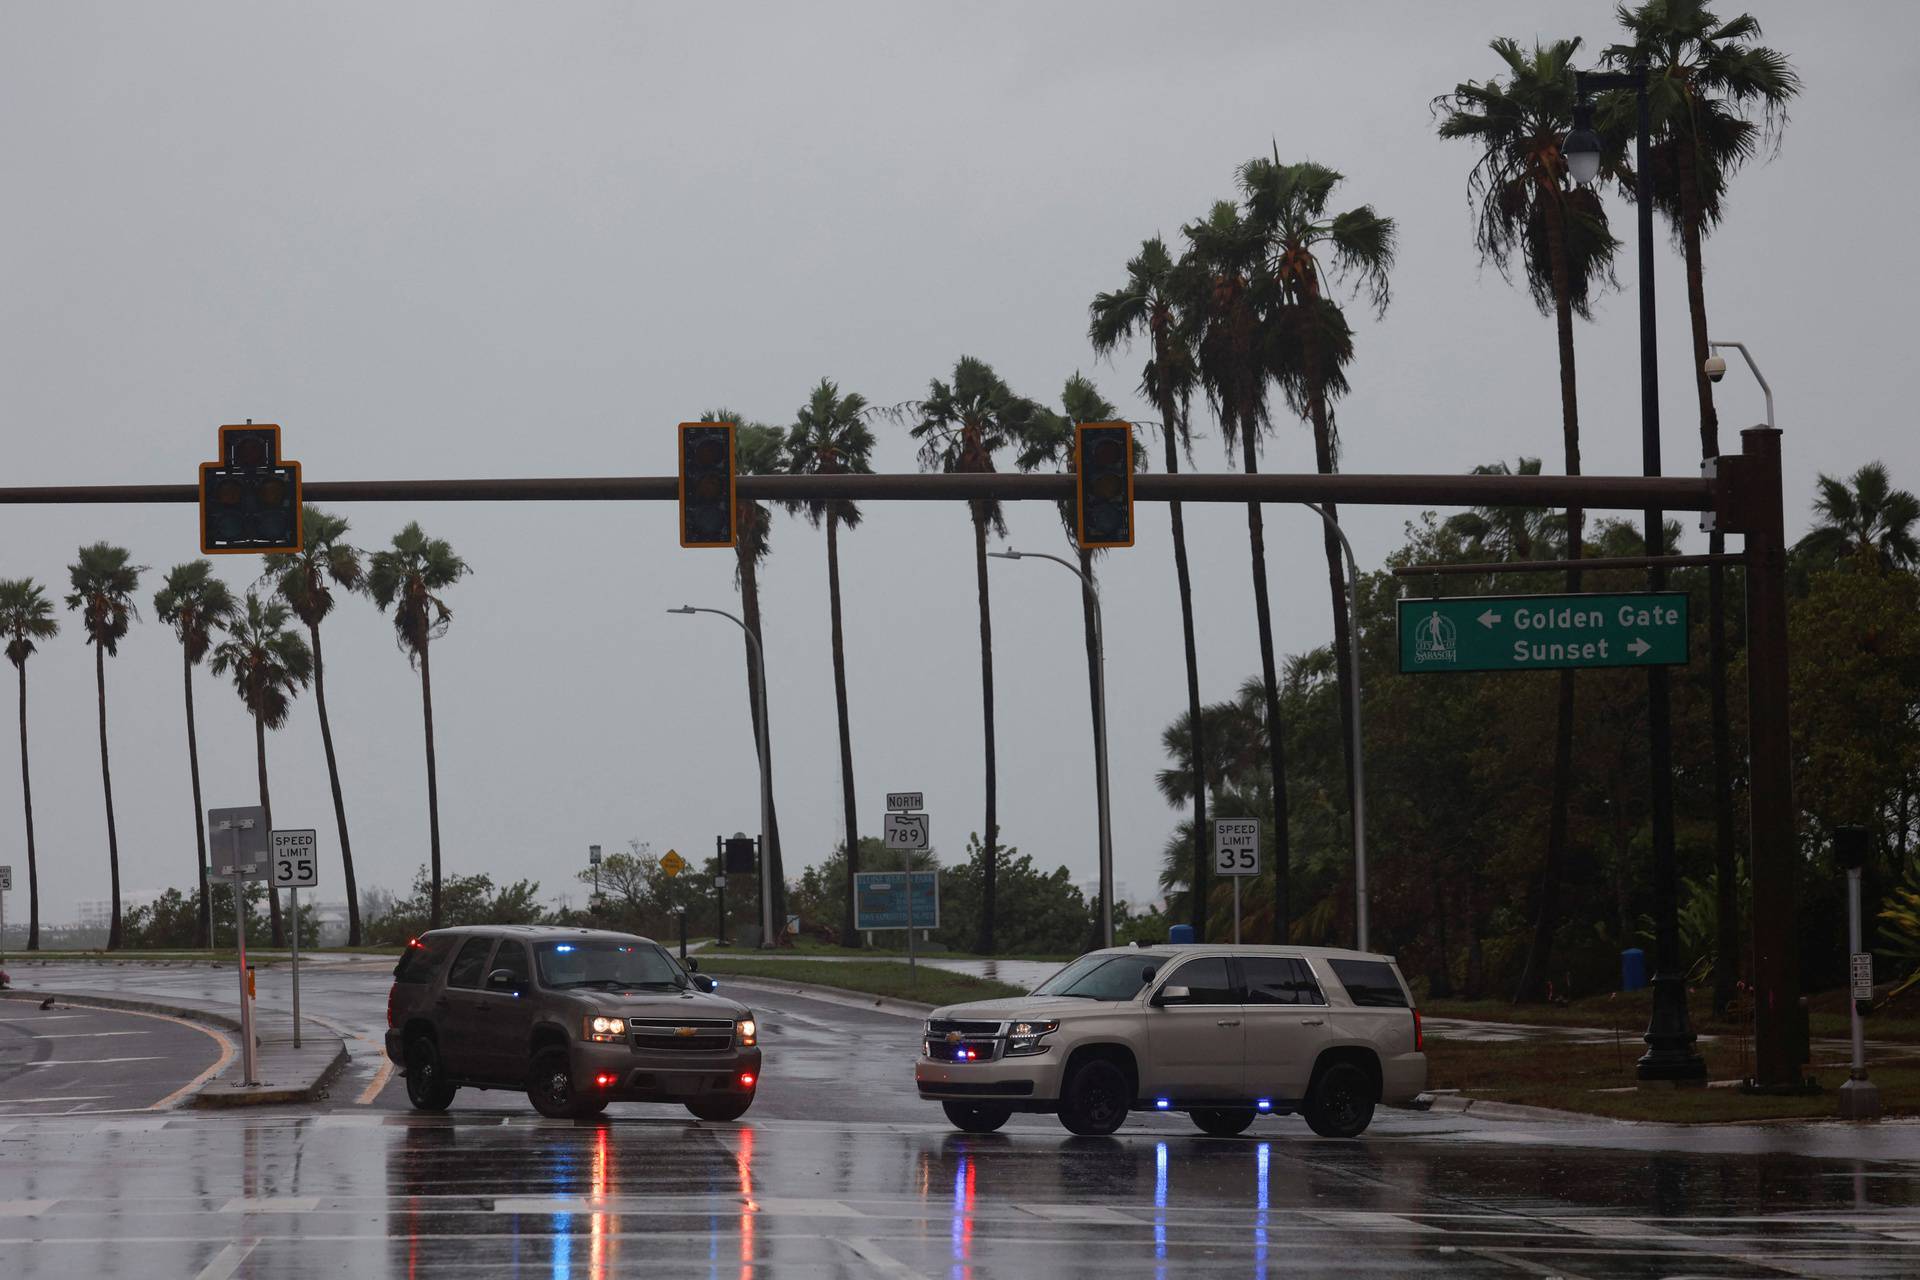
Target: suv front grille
956, 1040
940, 1027
690, 1035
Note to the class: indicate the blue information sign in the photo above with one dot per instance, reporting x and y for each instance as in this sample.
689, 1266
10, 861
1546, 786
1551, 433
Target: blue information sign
879, 900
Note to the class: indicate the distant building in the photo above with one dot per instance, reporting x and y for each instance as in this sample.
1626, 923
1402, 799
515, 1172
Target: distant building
97, 913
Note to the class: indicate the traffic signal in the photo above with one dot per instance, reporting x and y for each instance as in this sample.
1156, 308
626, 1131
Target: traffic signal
706, 484
250, 498
1103, 483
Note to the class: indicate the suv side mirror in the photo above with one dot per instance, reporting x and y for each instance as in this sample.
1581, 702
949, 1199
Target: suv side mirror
702, 982
693, 964
1173, 995
503, 980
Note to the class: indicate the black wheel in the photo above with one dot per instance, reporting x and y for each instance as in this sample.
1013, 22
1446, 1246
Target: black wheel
550, 1085
1340, 1104
427, 1088
1223, 1122
722, 1109
1096, 1099
976, 1117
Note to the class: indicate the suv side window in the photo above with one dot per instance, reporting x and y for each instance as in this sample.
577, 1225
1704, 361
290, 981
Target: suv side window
1279, 980
1208, 979
1370, 983
512, 956
422, 959
470, 966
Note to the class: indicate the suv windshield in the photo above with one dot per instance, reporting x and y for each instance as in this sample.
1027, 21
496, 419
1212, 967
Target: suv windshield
606, 963
1100, 977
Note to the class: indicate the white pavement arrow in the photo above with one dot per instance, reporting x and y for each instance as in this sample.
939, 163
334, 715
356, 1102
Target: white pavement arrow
1639, 647
1488, 618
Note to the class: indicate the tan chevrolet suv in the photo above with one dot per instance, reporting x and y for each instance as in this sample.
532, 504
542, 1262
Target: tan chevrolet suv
1223, 1033
577, 1018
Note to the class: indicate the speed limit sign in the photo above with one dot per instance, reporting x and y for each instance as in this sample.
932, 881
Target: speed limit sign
1236, 847
294, 862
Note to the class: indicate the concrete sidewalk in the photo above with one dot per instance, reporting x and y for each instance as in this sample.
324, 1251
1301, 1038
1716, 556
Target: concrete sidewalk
284, 1074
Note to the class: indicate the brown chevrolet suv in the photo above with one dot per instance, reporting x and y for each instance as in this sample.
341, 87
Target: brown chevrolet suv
577, 1018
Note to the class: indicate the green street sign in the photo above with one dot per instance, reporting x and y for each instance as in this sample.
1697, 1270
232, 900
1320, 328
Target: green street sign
1543, 633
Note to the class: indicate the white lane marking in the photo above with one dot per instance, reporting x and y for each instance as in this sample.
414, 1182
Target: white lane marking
24, 1208
50, 1017
807, 1208
1089, 1213
34, 1102
271, 1204
1371, 1220
228, 1261
879, 1259
91, 1062
90, 1035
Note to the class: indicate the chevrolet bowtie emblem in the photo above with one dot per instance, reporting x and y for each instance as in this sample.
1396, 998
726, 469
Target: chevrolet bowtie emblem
686, 1031
954, 1037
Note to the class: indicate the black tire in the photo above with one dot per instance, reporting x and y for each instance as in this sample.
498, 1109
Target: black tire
1223, 1122
721, 1110
976, 1117
1096, 1099
1341, 1102
550, 1085
427, 1088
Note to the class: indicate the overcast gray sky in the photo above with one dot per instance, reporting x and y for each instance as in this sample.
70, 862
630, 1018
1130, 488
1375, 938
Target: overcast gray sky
508, 239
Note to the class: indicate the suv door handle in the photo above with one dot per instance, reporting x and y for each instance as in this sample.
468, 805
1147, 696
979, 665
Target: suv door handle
1227, 1022
1313, 1022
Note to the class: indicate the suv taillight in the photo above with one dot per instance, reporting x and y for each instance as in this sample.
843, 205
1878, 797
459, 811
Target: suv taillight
1418, 1039
395, 990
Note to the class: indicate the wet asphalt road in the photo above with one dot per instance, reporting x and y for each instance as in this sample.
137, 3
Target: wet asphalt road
72, 1060
840, 1171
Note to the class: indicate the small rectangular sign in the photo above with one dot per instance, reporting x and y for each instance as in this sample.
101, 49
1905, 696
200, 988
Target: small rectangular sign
6, 879
879, 900
1236, 847
295, 859
905, 801
1863, 975
906, 832
1543, 633
237, 842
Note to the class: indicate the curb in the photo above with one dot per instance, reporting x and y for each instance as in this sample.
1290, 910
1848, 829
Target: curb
832, 995
1457, 1104
205, 1096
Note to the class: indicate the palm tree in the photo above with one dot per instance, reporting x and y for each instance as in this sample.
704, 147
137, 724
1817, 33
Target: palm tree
1705, 78
269, 664
26, 616
830, 437
305, 580
1505, 533
1863, 518
962, 425
409, 576
194, 603
104, 580
1527, 207
1217, 279
1308, 341
758, 450
1148, 303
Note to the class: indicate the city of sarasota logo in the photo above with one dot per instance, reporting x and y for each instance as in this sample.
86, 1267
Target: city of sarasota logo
1434, 640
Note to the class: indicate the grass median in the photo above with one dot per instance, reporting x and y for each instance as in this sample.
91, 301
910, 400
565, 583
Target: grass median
876, 978
1827, 1014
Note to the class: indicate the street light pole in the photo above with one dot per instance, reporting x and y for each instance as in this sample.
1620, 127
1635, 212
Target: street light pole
1670, 1053
766, 777
1359, 758
1099, 731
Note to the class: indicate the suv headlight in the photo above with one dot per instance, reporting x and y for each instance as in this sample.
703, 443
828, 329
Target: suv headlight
748, 1031
1025, 1037
606, 1030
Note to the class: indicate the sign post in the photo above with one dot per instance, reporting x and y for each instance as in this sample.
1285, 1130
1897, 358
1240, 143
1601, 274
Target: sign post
240, 854
1236, 854
907, 831
6, 887
1543, 633
295, 867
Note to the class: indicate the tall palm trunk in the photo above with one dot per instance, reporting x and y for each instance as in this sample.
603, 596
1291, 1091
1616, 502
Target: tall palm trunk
750, 614
847, 934
1533, 975
26, 796
333, 778
1196, 736
1325, 462
106, 786
205, 936
433, 780
1726, 954
1276, 748
991, 837
275, 924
